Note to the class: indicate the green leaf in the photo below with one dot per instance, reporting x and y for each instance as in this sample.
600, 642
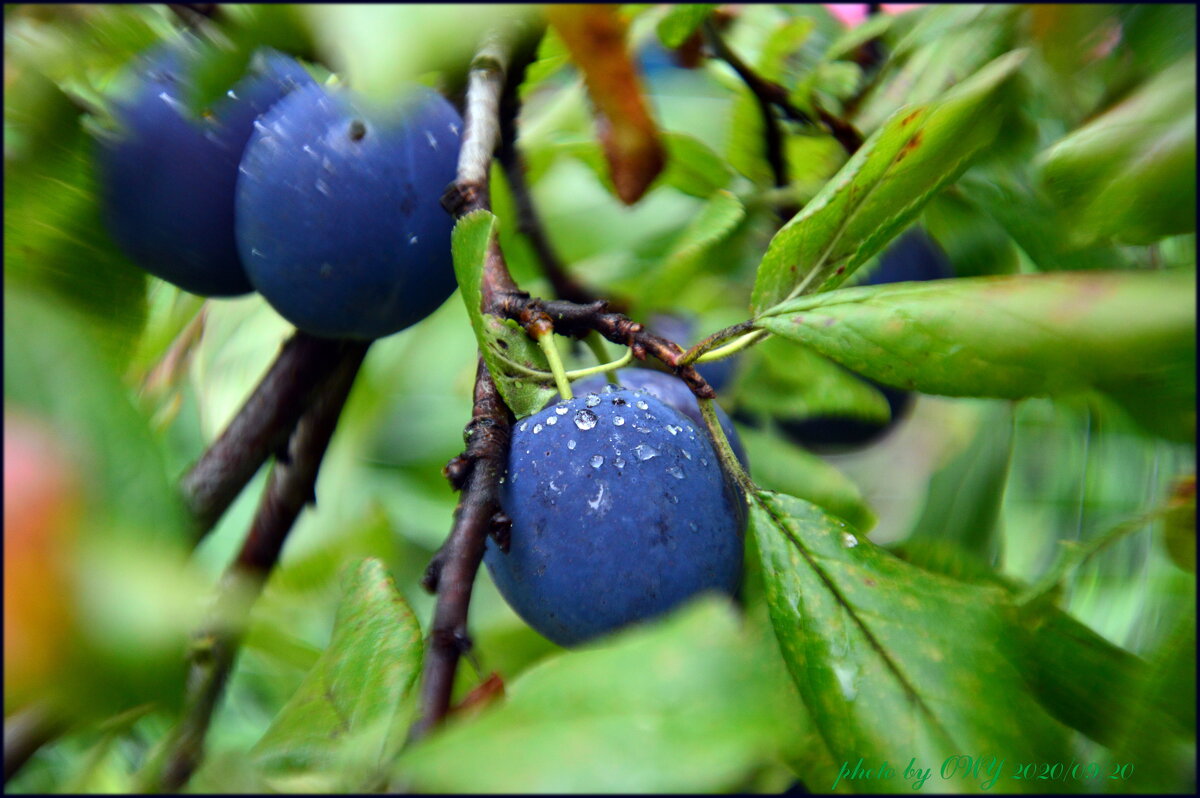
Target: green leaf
1129, 173
695, 702
780, 466
55, 239
794, 382
681, 21
1131, 334
345, 719
716, 220
1160, 736
692, 167
884, 186
1078, 676
895, 663
506, 349
975, 243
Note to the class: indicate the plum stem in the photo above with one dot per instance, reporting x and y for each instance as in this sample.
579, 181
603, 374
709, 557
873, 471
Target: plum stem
550, 350
729, 461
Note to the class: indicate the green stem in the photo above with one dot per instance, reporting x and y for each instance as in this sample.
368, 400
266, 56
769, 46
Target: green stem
608, 368
596, 342
550, 348
719, 337
731, 348
729, 461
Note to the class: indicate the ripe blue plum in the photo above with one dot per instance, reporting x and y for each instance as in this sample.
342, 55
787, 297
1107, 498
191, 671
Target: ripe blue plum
674, 393
620, 512
339, 220
167, 177
914, 256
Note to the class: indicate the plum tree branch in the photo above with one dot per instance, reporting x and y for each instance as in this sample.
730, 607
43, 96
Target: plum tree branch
496, 72
291, 487
25, 731
768, 93
261, 427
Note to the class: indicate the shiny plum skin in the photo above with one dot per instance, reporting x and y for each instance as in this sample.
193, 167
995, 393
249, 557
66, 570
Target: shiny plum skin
339, 220
620, 512
167, 177
673, 392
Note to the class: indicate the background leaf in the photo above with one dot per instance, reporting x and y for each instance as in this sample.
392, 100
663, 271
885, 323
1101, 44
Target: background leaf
346, 717
681, 21
1128, 174
690, 703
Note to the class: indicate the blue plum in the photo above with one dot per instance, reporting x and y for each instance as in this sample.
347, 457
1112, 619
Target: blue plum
914, 256
339, 220
673, 392
167, 177
620, 512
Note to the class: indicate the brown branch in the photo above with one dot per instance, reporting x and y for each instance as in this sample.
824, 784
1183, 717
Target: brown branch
452, 572
768, 93
291, 487
529, 224
25, 731
260, 427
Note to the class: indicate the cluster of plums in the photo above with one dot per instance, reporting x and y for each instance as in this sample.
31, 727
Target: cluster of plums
326, 205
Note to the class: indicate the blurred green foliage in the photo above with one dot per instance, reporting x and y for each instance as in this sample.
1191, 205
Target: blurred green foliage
1072, 157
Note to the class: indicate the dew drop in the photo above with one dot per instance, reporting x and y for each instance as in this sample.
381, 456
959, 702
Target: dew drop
685, 454
432, 141
570, 444
537, 428
412, 240
551, 421
674, 430
561, 408
644, 452
674, 499
703, 461
848, 540
641, 405
619, 461
322, 187
592, 400
643, 430
524, 424
618, 421
585, 419
596, 461
676, 472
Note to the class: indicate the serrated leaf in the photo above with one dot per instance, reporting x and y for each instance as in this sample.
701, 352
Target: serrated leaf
694, 702
1131, 334
782, 467
894, 663
681, 21
345, 717
884, 186
1129, 173
794, 382
506, 349
595, 38
692, 167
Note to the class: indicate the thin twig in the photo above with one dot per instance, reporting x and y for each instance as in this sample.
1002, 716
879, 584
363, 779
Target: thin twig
260, 427
25, 731
529, 224
768, 93
291, 487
